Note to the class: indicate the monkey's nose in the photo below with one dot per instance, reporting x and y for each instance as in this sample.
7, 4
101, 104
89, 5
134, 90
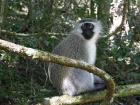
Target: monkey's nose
88, 34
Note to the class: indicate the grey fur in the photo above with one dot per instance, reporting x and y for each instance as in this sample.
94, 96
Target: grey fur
72, 81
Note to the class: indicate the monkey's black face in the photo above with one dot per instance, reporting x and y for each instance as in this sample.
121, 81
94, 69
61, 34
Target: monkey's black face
87, 30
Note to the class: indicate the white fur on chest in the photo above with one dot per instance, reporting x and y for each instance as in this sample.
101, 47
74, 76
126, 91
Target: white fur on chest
91, 49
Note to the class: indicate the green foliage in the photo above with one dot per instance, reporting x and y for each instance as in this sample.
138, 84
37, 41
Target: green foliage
23, 81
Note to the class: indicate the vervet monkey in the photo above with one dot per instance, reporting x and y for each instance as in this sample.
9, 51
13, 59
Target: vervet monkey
80, 45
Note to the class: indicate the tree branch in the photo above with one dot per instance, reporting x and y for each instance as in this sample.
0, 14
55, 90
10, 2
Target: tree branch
31, 34
121, 91
48, 57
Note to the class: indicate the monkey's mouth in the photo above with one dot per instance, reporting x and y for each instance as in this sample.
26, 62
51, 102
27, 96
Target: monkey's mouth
88, 34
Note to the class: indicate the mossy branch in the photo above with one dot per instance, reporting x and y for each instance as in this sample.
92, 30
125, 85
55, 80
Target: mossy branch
48, 57
121, 91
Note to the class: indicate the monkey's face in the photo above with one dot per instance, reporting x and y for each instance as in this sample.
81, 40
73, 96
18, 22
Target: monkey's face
87, 30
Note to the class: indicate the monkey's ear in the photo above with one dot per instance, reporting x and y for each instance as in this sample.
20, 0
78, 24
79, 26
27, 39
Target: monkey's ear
101, 27
99, 23
98, 27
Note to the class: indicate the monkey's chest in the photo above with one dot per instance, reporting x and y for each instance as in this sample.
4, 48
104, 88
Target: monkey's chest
91, 52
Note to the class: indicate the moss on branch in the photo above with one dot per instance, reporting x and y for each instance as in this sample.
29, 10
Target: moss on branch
121, 91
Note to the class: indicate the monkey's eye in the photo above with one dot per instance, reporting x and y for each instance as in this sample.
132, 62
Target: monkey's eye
83, 27
91, 26
86, 26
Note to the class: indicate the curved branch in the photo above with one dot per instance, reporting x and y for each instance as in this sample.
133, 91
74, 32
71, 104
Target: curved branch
121, 91
125, 10
48, 57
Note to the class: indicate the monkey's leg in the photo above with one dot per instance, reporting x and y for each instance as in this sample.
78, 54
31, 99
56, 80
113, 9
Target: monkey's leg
99, 83
98, 79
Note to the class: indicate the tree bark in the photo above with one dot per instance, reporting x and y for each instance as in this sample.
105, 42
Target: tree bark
117, 28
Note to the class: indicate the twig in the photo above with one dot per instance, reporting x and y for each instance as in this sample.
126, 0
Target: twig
31, 34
